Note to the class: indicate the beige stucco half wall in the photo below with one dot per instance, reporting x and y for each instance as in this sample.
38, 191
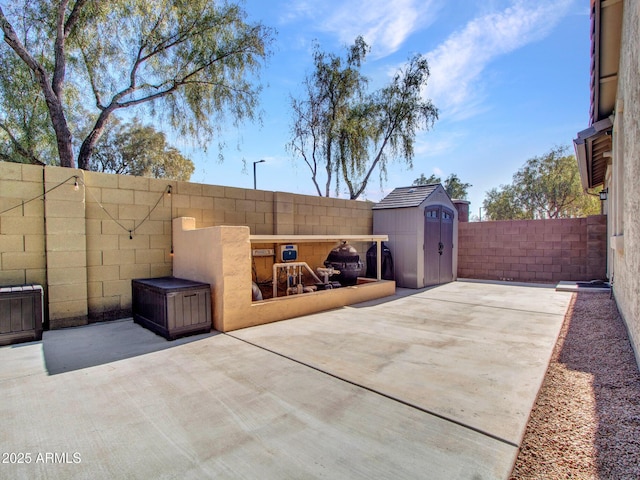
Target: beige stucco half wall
221, 257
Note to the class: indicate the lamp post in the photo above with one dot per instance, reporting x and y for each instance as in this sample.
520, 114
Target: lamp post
254, 172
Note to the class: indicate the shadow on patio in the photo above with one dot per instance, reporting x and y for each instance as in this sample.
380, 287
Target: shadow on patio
99, 343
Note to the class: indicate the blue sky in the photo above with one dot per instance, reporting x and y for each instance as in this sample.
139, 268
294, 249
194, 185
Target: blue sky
510, 79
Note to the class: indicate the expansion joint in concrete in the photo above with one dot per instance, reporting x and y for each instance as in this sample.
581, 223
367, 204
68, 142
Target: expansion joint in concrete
382, 394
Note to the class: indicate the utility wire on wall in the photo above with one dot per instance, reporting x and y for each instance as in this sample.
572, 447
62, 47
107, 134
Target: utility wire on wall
42, 195
77, 179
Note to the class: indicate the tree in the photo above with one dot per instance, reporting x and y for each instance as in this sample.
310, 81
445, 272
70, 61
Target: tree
188, 61
452, 185
422, 180
25, 128
504, 204
136, 149
339, 126
545, 187
455, 188
317, 117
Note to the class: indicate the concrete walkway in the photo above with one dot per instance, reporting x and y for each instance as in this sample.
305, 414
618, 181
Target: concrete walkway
435, 383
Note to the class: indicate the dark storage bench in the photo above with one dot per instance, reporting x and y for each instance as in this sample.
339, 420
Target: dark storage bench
20, 314
172, 307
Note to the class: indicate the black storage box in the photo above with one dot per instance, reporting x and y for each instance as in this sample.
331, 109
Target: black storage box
172, 307
20, 314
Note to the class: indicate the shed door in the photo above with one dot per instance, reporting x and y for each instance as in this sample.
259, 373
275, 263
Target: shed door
446, 237
438, 245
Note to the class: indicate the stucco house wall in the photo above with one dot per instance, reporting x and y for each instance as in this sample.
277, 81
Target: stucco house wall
623, 178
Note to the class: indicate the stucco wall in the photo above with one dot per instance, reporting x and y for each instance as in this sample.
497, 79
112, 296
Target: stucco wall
227, 268
545, 251
626, 135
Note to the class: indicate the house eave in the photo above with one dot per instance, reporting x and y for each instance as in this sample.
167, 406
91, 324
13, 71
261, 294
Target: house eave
606, 31
593, 146
593, 151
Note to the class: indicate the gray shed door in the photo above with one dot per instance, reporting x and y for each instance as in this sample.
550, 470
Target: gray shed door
438, 245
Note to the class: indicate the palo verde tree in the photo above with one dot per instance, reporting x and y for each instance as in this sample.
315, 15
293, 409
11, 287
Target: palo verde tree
189, 61
545, 187
339, 126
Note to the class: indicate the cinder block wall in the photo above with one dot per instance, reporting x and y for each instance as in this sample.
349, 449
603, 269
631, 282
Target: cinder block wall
65, 247
22, 258
306, 215
128, 236
114, 228
545, 251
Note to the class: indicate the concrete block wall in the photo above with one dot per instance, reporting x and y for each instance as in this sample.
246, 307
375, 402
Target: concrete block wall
306, 215
129, 229
128, 235
545, 251
22, 241
85, 246
330, 216
65, 251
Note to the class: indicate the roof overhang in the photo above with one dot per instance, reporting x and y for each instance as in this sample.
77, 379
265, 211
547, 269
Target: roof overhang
606, 33
593, 146
593, 151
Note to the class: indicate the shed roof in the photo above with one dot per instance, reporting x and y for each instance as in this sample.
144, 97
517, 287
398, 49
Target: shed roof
406, 197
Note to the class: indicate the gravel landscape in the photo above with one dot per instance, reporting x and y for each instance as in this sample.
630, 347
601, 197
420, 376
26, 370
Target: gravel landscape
586, 420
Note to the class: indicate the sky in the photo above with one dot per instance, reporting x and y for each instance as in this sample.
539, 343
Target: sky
510, 79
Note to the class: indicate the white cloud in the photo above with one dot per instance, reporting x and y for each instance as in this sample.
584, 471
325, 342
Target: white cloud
457, 64
384, 25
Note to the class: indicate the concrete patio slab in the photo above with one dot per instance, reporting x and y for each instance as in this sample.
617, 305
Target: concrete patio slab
426, 377
473, 353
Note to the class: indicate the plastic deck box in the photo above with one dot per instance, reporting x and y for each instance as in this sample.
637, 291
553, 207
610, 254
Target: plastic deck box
20, 314
172, 307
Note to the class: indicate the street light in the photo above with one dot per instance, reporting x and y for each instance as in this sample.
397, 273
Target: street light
254, 172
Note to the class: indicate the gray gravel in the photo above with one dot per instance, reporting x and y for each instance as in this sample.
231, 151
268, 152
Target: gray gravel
586, 420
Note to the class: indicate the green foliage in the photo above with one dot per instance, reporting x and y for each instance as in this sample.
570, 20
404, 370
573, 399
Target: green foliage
136, 149
545, 187
338, 125
504, 204
192, 63
323, 117
26, 135
455, 188
453, 185
431, 180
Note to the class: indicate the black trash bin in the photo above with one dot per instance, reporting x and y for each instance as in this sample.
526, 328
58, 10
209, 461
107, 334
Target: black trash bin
387, 262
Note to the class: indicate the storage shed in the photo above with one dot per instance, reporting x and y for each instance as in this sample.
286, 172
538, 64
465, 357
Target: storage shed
422, 225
